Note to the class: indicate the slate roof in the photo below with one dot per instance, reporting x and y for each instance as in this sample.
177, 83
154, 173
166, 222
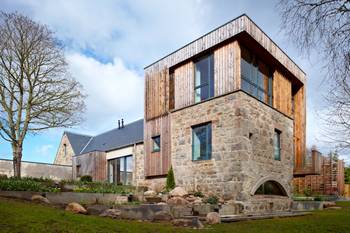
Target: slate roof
77, 141
115, 138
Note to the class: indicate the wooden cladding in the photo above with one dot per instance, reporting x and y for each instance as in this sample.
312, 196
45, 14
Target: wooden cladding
156, 94
184, 85
93, 164
282, 93
157, 163
299, 127
227, 68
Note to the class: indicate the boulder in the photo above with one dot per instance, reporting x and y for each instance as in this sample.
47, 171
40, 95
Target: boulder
213, 218
178, 192
191, 198
150, 193
76, 208
177, 201
194, 222
96, 209
198, 201
112, 213
40, 199
162, 216
328, 204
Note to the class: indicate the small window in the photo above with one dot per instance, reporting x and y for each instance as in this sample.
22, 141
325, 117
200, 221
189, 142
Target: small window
156, 144
277, 145
201, 142
204, 78
78, 171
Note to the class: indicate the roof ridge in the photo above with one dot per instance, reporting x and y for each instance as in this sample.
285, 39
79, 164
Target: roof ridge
119, 128
80, 134
86, 145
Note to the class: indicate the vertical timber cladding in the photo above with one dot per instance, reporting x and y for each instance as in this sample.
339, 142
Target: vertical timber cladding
282, 93
157, 121
299, 127
157, 163
93, 164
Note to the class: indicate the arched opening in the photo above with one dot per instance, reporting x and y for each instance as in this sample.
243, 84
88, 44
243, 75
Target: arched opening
271, 187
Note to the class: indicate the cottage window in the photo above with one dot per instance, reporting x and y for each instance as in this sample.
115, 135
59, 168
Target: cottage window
120, 170
77, 170
204, 78
201, 142
256, 77
156, 144
277, 144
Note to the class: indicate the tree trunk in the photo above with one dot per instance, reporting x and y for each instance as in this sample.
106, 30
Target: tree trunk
17, 158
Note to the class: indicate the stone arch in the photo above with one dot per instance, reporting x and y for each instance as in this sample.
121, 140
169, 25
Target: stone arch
263, 180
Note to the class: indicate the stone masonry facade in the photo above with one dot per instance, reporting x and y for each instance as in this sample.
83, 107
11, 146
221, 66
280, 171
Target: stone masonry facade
242, 150
64, 157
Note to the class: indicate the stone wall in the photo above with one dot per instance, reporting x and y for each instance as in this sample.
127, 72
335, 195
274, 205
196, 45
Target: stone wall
62, 157
242, 147
32, 169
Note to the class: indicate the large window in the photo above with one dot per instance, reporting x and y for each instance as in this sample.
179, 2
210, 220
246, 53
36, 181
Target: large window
256, 77
204, 78
277, 145
120, 170
201, 142
156, 144
271, 188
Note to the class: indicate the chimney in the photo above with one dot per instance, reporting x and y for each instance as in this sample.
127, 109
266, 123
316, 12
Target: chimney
118, 124
122, 123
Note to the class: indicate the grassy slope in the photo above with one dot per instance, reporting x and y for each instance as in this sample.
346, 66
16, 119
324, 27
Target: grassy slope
16, 216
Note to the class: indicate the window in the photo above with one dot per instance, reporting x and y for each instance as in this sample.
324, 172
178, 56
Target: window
277, 145
201, 142
256, 77
156, 144
271, 188
77, 170
204, 78
65, 150
120, 170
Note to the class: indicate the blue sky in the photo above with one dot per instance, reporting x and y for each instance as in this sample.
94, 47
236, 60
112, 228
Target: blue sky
109, 42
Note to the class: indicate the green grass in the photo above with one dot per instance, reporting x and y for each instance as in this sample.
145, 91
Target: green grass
18, 216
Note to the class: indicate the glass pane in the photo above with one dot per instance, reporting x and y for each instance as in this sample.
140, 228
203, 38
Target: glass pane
110, 171
122, 170
197, 95
205, 92
129, 169
201, 142
277, 147
270, 188
202, 72
245, 69
156, 143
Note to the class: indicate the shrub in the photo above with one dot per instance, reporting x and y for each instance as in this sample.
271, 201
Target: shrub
28, 184
198, 194
307, 192
86, 178
103, 187
170, 180
3, 177
212, 200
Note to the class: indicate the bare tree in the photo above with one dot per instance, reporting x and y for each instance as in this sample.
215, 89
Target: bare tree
36, 90
324, 25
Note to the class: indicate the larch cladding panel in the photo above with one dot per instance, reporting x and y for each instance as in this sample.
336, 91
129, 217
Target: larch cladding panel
157, 163
227, 68
93, 164
299, 127
282, 93
184, 85
156, 93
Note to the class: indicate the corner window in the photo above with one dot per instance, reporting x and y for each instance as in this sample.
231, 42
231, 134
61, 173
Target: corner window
256, 77
204, 78
156, 144
120, 170
277, 145
201, 142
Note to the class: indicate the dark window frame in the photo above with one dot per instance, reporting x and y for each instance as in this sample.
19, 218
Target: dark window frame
209, 82
208, 154
154, 142
278, 146
78, 170
116, 176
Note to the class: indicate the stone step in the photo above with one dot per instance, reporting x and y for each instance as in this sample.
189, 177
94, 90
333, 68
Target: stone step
237, 218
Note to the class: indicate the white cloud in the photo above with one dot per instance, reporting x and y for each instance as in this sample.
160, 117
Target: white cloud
114, 91
44, 150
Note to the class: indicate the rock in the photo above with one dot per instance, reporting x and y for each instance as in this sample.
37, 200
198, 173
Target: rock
328, 204
162, 216
112, 213
198, 201
177, 201
333, 208
40, 199
213, 218
150, 193
194, 222
191, 198
153, 200
178, 192
76, 208
161, 203
68, 187
96, 209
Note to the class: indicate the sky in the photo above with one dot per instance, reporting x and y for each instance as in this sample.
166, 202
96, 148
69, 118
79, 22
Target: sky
108, 43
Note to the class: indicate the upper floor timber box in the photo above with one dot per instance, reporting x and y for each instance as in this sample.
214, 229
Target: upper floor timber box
237, 56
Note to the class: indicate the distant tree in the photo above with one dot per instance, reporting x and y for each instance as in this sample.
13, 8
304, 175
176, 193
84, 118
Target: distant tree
324, 25
36, 90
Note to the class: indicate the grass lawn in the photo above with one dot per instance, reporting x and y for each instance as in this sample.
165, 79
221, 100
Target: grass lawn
18, 216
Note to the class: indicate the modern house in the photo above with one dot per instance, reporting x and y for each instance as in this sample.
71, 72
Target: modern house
226, 111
